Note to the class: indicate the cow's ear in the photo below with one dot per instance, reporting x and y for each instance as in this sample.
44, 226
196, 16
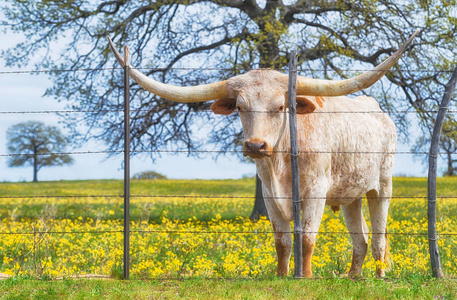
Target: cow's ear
224, 106
305, 105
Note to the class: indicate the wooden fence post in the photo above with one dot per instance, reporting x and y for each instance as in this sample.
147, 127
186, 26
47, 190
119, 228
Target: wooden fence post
126, 163
298, 231
432, 169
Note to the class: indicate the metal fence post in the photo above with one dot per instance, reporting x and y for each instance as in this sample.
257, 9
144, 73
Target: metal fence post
432, 168
298, 231
126, 163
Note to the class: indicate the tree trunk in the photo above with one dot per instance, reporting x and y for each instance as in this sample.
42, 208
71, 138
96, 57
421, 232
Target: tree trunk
259, 204
450, 169
35, 164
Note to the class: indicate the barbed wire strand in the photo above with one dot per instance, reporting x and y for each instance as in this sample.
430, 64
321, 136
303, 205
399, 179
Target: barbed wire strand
208, 110
301, 70
204, 197
336, 276
314, 278
214, 151
217, 232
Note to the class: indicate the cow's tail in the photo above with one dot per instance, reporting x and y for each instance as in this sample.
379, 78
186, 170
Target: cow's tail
387, 255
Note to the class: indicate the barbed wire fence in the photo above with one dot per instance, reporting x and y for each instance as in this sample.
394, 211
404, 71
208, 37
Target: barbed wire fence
34, 232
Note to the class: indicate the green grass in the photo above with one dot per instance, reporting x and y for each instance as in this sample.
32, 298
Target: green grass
110, 199
111, 191
273, 288
138, 187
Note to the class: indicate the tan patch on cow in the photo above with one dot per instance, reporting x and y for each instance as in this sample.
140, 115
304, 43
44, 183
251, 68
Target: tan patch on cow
387, 255
287, 156
320, 101
308, 249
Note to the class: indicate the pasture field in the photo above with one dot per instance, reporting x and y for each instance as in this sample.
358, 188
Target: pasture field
198, 232
415, 287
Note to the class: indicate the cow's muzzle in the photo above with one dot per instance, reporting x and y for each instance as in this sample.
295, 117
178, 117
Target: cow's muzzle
257, 148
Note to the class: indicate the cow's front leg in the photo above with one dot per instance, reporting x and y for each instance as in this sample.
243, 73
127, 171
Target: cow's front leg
277, 207
313, 209
283, 243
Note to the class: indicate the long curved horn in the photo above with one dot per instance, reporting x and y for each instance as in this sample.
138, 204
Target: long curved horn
200, 93
320, 87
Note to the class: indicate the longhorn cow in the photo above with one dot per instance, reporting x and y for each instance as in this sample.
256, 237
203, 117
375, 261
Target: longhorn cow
346, 151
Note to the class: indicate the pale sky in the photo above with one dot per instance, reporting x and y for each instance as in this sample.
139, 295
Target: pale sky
24, 92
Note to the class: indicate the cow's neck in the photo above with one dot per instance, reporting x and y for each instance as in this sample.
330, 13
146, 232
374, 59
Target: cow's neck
279, 162
275, 172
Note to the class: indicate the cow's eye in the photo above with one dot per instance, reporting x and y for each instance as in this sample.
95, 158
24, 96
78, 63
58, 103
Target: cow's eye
281, 108
238, 108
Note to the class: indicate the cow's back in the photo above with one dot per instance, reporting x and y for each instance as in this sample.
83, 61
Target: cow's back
355, 141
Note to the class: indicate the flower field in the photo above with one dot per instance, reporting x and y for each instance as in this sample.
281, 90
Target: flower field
196, 228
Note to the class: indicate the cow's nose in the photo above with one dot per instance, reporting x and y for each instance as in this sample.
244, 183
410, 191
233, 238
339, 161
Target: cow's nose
257, 148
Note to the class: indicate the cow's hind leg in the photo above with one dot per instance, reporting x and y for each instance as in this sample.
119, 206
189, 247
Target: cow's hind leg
379, 206
358, 230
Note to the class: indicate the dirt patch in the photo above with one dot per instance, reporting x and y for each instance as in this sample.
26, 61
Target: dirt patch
85, 276
4, 276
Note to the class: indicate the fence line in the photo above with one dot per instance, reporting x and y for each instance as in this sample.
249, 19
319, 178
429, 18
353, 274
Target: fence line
424, 234
217, 69
314, 278
214, 151
220, 232
209, 110
208, 197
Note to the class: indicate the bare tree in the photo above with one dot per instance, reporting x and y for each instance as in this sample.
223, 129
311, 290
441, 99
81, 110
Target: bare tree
448, 145
37, 145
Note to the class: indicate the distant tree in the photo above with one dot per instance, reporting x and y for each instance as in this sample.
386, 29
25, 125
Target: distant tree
149, 175
35, 144
448, 145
